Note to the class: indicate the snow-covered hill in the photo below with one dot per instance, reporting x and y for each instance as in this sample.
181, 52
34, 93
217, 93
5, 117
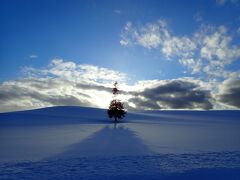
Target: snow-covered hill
82, 143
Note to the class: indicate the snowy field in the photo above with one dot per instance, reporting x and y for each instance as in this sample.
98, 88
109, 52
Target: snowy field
81, 143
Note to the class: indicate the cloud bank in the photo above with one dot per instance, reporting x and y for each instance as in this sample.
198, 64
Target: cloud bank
61, 83
230, 92
173, 94
67, 83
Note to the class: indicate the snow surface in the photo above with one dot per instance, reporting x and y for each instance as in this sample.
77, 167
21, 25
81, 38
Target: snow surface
81, 143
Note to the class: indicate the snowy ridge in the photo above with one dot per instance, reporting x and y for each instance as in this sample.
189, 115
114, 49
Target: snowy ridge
81, 143
76, 114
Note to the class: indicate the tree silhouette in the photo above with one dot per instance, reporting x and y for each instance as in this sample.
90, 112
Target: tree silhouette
116, 109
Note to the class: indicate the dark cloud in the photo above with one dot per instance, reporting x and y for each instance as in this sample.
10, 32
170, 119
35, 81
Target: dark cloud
18, 93
93, 87
230, 94
33, 93
175, 94
143, 104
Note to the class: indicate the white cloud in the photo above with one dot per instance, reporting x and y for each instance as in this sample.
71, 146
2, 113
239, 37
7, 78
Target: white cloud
176, 46
61, 83
209, 50
76, 72
219, 51
217, 46
157, 36
149, 36
68, 83
123, 42
194, 65
33, 56
30, 93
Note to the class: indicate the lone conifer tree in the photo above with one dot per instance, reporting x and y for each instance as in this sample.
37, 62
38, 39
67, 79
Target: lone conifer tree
116, 109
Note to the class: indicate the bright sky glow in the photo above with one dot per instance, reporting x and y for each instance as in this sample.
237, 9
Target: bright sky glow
165, 54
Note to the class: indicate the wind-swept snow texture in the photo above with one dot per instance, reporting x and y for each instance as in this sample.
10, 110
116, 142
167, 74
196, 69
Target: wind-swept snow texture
82, 143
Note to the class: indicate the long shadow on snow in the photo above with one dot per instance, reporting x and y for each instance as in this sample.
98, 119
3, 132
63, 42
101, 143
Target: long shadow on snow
113, 140
115, 152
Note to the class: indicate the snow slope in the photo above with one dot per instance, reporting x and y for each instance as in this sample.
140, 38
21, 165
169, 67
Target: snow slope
81, 143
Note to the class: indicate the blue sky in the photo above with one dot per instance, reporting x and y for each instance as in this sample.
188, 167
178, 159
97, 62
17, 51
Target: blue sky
123, 36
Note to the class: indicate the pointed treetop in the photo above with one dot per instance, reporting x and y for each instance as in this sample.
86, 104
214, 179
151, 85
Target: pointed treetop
115, 84
115, 90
